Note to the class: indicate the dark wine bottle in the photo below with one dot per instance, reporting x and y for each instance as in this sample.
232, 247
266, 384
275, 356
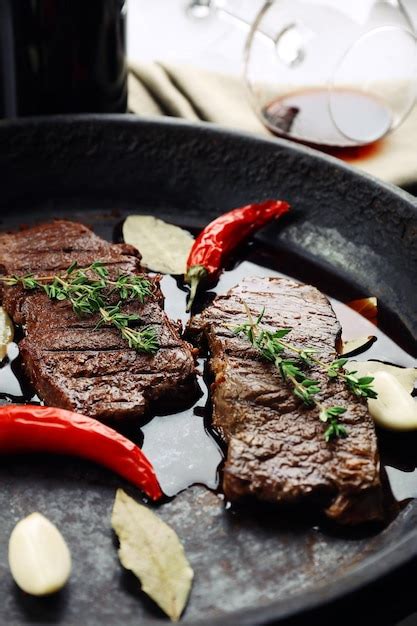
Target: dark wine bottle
62, 56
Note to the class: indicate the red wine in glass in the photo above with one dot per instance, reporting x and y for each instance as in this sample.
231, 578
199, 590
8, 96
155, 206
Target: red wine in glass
354, 119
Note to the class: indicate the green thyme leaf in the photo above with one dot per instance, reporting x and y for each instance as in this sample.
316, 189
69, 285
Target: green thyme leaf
89, 296
271, 344
335, 430
330, 412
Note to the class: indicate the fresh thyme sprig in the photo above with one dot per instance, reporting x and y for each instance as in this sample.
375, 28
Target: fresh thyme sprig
143, 339
331, 416
272, 345
360, 387
88, 290
86, 294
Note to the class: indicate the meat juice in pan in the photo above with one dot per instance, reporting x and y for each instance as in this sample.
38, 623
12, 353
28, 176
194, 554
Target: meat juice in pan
183, 447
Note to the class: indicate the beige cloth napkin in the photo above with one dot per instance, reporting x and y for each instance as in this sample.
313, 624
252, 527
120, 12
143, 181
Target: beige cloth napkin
196, 94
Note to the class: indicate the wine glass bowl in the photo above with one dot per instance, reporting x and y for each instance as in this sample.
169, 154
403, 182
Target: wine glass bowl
330, 73
381, 66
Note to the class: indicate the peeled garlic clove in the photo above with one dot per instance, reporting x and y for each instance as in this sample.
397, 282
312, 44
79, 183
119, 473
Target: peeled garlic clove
406, 376
39, 558
394, 408
6, 332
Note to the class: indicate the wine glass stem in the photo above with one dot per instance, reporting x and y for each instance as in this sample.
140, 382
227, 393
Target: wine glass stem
231, 16
205, 8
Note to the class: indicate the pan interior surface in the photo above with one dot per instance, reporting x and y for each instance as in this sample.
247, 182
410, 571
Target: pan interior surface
250, 565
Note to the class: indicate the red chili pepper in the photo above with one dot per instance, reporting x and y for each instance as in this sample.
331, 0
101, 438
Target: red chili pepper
27, 428
217, 240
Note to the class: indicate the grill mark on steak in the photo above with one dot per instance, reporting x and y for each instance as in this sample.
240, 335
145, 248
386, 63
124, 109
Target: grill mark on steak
276, 448
70, 363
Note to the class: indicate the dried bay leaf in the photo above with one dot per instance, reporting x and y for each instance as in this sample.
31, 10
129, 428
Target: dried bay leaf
164, 247
6, 332
153, 552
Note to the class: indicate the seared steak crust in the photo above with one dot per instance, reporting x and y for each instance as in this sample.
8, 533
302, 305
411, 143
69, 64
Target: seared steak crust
72, 365
276, 447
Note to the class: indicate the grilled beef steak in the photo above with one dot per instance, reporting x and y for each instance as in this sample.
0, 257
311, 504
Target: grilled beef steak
70, 363
276, 446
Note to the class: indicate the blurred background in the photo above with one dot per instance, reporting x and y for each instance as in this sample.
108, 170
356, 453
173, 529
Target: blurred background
164, 30
182, 35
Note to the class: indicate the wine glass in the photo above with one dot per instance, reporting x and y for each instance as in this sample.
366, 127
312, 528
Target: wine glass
329, 73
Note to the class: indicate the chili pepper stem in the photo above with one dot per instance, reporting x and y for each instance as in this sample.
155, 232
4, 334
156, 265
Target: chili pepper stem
222, 236
194, 276
193, 291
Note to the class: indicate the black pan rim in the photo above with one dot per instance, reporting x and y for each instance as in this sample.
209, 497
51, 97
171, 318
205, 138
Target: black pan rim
209, 127
374, 567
